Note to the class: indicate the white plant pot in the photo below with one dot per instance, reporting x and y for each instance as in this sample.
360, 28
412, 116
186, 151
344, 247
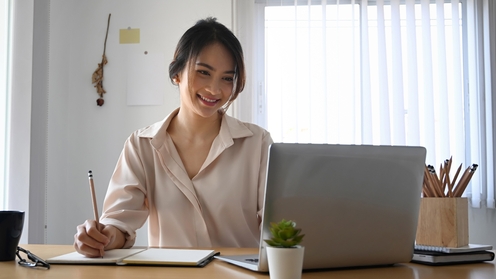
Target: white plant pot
285, 263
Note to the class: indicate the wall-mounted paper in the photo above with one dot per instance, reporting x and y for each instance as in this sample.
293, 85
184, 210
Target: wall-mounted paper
146, 79
129, 36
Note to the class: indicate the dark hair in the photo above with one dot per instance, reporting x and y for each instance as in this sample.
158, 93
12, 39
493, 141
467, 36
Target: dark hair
206, 32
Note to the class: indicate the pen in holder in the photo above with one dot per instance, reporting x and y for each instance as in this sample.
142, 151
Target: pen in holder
443, 216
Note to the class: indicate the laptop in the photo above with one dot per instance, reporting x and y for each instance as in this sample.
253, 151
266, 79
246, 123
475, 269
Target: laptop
357, 205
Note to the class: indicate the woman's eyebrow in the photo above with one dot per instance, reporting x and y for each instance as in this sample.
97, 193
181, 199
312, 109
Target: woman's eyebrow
212, 68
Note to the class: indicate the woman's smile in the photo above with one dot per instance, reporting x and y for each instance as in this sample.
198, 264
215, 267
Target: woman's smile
208, 101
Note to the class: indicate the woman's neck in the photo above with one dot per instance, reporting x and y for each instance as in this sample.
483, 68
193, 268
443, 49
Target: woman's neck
193, 126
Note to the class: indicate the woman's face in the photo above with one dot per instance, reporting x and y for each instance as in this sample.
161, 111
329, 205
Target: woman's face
211, 83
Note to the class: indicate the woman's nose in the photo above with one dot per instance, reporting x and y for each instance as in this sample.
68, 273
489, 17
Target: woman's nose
214, 87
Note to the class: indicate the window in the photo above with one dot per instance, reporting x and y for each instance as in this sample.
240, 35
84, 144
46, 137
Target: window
391, 72
319, 56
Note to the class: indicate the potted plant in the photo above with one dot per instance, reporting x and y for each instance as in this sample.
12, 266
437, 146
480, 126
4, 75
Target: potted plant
284, 254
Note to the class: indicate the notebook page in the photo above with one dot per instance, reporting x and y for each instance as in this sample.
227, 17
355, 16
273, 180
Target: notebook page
158, 256
111, 256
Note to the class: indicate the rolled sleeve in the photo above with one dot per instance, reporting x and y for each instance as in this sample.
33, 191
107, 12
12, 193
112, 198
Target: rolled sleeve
125, 205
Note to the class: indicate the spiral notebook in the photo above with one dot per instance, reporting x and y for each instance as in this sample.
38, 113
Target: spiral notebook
462, 249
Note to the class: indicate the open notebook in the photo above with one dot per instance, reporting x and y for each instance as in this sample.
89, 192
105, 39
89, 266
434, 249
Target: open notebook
152, 256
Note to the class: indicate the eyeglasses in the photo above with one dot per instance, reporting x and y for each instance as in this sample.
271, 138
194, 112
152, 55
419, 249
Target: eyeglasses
35, 261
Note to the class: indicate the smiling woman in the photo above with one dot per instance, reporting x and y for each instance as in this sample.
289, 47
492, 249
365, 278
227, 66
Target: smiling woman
197, 176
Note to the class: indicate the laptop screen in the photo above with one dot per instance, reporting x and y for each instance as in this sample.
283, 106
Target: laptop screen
357, 204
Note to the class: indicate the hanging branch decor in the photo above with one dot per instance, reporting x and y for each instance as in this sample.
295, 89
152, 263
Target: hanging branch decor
97, 77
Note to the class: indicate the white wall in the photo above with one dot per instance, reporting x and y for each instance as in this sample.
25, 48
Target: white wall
482, 226
20, 106
80, 135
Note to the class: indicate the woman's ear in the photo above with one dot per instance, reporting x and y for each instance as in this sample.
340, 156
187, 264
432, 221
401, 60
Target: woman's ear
176, 79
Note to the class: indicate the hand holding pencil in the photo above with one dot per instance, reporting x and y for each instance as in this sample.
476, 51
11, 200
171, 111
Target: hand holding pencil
442, 185
92, 237
95, 207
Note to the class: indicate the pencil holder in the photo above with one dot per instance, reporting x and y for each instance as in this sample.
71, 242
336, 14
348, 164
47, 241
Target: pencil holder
443, 222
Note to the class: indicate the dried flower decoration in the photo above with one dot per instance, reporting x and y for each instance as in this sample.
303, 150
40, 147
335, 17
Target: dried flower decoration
98, 74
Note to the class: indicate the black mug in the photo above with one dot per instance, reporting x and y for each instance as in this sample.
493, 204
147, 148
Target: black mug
11, 223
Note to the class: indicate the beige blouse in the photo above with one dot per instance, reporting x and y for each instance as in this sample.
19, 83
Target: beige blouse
219, 207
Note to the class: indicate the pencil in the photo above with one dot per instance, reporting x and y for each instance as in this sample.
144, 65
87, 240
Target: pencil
436, 183
463, 184
460, 187
93, 199
456, 176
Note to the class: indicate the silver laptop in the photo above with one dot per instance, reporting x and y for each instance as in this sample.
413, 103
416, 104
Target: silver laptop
357, 205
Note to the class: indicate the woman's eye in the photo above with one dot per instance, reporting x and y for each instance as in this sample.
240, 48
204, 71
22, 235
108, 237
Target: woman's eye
203, 72
230, 79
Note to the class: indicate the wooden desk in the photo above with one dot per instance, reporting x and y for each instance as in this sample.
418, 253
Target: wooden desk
218, 269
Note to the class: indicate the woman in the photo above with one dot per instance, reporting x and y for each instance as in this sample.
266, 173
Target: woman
198, 175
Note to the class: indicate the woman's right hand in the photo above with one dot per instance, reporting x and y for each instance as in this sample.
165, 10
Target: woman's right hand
92, 238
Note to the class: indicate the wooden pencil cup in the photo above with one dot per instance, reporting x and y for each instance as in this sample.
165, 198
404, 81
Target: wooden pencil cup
443, 222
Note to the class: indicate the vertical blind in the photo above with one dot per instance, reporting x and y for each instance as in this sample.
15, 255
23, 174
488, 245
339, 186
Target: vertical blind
410, 72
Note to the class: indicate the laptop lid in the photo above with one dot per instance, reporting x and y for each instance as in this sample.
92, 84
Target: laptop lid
357, 205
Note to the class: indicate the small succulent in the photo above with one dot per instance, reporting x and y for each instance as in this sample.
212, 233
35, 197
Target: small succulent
284, 234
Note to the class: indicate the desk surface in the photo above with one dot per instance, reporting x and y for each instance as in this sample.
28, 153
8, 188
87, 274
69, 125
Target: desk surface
219, 269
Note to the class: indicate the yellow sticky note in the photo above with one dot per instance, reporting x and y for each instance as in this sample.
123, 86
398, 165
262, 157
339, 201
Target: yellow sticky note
129, 36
